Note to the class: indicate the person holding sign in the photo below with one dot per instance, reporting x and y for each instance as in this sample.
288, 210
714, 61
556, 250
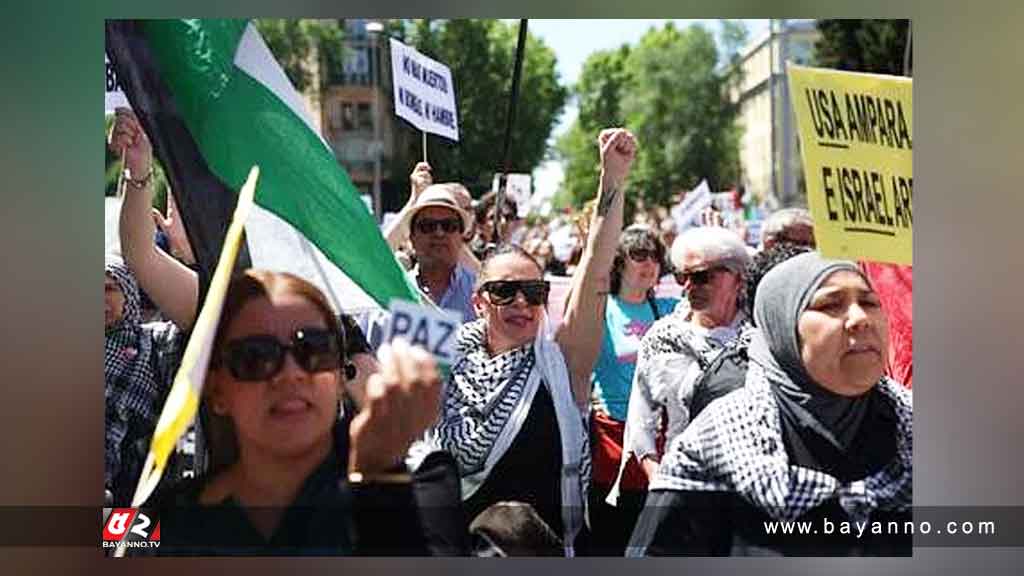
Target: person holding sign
434, 221
515, 406
175, 288
817, 433
274, 388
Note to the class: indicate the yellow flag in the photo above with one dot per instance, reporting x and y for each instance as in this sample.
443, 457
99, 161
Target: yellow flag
183, 400
856, 139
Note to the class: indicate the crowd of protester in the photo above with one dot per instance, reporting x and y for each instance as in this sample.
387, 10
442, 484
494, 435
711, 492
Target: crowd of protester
634, 425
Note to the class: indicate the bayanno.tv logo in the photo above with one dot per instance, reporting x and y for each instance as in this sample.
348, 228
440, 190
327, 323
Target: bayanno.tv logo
129, 528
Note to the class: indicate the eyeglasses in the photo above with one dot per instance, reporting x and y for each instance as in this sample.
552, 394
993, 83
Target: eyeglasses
643, 254
261, 356
448, 225
698, 277
503, 292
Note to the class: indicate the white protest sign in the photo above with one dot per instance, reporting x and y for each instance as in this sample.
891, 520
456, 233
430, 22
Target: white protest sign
687, 211
517, 187
423, 90
115, 98
433, 329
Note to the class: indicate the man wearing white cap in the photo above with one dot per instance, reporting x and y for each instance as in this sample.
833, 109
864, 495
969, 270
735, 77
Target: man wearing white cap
434, 221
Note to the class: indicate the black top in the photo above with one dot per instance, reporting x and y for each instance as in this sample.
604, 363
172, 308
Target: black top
530, 471
328, 517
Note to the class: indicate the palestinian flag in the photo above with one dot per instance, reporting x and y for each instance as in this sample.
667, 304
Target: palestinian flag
214, 103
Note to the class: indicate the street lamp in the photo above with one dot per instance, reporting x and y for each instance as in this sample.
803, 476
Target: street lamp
374, 29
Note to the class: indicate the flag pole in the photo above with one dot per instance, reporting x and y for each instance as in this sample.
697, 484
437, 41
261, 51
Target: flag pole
510, 120
424, 145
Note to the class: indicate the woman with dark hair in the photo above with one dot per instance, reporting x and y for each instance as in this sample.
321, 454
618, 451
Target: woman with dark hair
281, 455
816, 433
516, 403
630, 311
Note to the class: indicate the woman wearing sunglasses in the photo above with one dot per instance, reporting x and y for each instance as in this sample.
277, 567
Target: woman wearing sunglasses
630, 311
515, 406
281, 456
817, 433
710, 264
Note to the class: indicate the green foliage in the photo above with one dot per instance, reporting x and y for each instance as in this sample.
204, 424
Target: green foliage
292, 41
670, 92
876, 46
481, 56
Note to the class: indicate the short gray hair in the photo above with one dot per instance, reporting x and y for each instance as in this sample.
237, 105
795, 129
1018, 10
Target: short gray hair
714, 244
782, 219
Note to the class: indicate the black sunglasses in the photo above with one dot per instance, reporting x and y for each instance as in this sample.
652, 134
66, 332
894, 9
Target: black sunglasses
261, 356
642, 254
503, 292
698, 277
448, 225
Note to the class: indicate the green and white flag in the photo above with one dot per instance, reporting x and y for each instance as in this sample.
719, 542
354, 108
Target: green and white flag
215, 102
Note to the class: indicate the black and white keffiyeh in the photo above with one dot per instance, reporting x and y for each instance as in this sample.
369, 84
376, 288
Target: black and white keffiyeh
753, 441
736, 445
486, 401
482, 394
138, 364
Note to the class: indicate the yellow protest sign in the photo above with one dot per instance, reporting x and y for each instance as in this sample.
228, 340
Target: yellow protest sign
856, 138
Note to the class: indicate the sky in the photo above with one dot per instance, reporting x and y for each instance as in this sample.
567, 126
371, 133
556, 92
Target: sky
572, 42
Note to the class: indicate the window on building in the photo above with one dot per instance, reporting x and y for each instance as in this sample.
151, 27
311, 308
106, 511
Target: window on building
365, 117
348, 116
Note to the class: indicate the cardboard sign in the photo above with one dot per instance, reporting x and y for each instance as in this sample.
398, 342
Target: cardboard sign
432, 328
424, 93
856, 136
690, 208
517, 187
114, 98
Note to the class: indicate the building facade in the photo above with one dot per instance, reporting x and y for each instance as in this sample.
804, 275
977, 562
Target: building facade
354, 104
771, 170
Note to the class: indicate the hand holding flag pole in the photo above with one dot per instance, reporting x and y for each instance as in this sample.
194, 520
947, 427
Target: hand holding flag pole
183, 400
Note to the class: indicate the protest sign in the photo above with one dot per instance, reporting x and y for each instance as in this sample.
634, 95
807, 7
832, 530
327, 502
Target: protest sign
432, 328
517, 187
689, 209
856, 140
423, 90
114, 98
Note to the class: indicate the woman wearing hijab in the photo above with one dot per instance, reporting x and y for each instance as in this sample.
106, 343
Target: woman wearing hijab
516, 404
139, 361
817, 433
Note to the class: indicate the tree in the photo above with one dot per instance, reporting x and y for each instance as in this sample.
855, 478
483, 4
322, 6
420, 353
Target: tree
295, 43
672, 94
877, 46
481, 56
599, 94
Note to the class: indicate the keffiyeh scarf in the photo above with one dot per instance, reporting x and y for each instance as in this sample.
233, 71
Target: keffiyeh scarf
736, 444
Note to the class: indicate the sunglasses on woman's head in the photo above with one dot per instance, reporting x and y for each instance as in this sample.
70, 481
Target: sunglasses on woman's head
261, 356
642, 254
698, 277
448, 225
503, 292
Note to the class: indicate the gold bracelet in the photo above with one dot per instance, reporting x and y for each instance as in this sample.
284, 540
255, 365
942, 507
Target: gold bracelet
140, 183
358, 478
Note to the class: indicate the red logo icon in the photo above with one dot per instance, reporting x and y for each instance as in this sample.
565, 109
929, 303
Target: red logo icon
128, 525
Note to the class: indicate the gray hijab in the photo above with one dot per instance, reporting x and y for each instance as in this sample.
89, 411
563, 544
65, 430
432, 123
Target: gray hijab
784, 293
